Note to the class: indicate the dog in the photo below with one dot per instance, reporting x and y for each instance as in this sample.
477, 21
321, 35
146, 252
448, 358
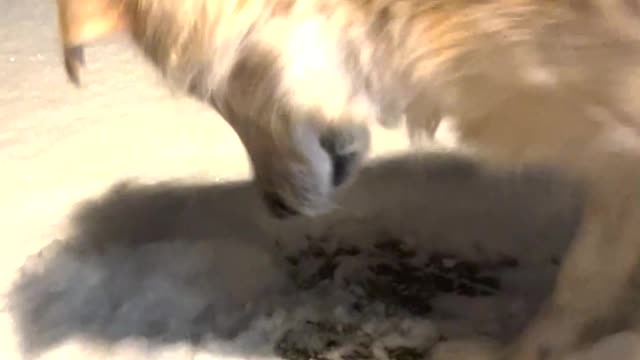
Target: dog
525, 82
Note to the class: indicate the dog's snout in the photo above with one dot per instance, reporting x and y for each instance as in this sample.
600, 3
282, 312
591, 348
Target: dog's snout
278, 207
305, 180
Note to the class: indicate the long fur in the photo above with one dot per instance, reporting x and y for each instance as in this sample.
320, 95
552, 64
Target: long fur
526, 82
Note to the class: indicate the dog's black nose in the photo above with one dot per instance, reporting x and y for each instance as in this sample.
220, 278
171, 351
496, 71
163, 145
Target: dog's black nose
342, 167
342, 162
278, 207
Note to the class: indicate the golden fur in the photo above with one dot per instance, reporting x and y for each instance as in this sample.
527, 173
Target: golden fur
546, 82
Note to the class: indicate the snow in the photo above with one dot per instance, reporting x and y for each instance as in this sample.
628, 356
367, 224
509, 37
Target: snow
130, 230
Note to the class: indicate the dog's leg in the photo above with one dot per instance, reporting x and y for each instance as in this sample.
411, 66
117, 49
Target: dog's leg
595, 273
593, 281
594, 277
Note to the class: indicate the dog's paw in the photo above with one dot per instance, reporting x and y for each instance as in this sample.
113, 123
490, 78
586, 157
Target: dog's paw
477, 349
551, 337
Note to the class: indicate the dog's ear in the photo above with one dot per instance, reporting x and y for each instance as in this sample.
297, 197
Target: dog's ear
83, 21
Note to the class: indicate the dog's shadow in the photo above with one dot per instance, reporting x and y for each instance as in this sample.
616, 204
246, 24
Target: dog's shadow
175, 262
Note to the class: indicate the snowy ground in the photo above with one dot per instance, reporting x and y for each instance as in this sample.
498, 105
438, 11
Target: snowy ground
130, 231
